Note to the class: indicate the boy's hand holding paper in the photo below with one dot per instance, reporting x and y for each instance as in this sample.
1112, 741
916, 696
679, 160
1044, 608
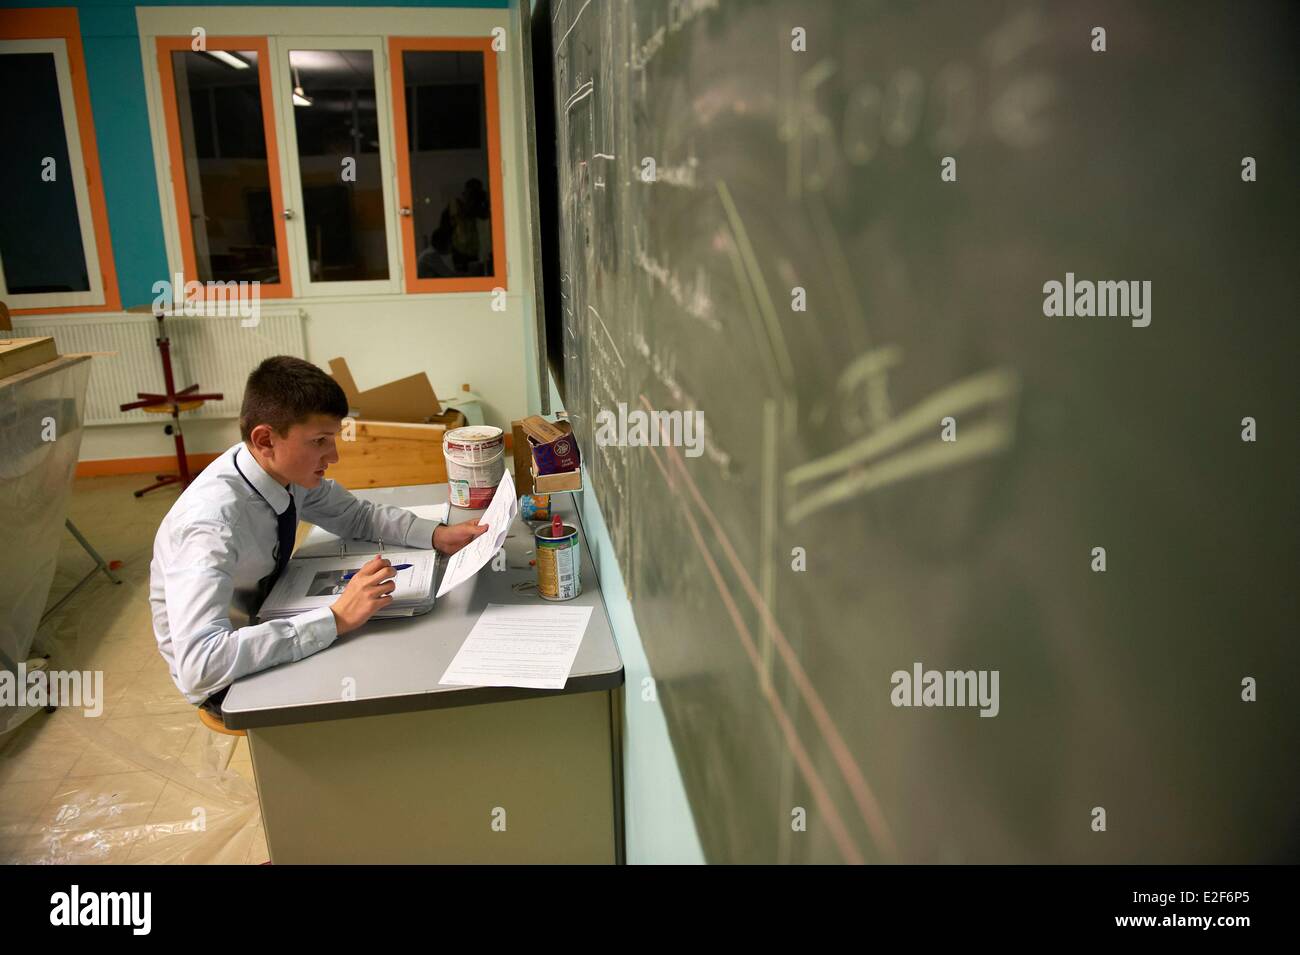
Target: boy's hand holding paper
466, 562
449, 538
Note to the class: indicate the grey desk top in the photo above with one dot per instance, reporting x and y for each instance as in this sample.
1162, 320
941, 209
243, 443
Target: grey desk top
396, 663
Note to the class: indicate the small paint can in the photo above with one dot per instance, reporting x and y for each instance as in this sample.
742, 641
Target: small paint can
558, 564
535, 507
475, 464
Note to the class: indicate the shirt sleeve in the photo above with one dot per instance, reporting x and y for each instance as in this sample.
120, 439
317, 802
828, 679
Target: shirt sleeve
209, 652
339, 511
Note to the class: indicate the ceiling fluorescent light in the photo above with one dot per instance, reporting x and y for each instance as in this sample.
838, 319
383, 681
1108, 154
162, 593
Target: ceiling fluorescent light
228, 58
299, 97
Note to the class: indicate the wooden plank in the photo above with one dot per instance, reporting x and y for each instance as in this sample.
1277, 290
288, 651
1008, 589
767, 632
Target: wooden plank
391, 454
19, 354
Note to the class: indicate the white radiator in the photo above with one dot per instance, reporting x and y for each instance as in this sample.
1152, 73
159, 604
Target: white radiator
218, 353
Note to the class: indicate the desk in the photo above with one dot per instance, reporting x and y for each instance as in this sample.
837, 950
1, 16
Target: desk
407, 771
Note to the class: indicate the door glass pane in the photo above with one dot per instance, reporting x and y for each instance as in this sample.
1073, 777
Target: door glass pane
446, 132
337, 120
40, 231
227, 174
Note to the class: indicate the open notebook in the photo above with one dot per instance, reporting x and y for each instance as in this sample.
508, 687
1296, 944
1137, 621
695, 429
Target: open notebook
312, 582
314, 576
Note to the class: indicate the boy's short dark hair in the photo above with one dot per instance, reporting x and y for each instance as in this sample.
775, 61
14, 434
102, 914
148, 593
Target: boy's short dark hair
283, 391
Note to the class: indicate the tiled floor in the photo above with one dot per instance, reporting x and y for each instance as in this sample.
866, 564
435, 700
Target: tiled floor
143, 782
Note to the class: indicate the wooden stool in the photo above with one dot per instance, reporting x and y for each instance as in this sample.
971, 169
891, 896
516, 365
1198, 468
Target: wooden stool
214, 724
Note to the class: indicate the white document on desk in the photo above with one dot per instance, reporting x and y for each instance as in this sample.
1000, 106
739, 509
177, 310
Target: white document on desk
514, 645
467, 561
321, 543
438, 513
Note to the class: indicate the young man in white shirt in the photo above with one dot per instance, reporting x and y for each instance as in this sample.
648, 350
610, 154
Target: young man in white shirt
229, 535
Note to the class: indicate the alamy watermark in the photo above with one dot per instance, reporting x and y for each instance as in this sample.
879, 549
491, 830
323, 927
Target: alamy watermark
946, 688
1086, 298
651, 429
210, 299
41, 687
75, 907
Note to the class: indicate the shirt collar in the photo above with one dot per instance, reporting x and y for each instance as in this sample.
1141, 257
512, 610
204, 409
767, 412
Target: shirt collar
275, 494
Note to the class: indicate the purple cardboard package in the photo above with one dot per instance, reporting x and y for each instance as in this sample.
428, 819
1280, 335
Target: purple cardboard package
553, 446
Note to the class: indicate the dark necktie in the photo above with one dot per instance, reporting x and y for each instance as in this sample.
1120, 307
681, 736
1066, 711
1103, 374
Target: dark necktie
286, 528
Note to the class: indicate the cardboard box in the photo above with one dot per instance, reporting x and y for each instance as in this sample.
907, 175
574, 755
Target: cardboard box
546, 456
399, 430
551, 483
410, 399
553, 447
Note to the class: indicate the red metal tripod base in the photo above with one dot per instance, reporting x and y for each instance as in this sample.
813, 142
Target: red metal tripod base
163, 481
183, 479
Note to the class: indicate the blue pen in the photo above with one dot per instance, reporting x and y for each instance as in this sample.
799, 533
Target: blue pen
351, 574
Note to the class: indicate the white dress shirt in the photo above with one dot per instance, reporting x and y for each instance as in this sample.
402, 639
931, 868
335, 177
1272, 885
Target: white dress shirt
215, 545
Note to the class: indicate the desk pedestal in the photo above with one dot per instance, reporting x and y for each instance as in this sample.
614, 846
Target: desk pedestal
428, 786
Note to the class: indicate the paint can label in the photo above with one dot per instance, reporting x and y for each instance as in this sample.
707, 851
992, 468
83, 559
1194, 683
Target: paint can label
535, 507
475, 444
473, 485
558, 564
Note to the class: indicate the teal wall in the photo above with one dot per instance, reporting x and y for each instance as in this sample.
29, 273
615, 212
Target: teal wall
660, 828
115, 76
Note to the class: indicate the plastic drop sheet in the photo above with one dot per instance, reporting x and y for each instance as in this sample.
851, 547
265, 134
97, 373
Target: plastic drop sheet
142, 780
153, 789
40, 439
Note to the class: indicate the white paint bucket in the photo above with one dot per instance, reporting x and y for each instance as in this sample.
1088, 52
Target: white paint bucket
475, 464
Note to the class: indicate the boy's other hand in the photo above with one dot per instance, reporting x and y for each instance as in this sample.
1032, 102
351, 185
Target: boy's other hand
449, 538
370, 589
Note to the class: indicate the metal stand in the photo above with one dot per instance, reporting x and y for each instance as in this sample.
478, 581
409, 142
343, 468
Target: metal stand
173, 399
100, 565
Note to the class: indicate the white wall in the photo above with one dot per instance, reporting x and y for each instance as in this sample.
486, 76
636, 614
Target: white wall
453, 342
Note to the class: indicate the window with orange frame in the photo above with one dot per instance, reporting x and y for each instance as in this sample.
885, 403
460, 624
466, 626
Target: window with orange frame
55, 251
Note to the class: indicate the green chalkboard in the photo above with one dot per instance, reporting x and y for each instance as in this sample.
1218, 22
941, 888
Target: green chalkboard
918, 454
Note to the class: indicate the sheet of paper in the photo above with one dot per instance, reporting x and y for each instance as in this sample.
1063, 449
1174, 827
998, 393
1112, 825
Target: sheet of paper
467, 561
514, 645
321, 543
431, 512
